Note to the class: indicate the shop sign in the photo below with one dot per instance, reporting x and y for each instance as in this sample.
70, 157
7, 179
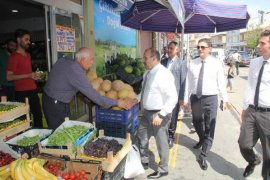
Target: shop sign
65, 38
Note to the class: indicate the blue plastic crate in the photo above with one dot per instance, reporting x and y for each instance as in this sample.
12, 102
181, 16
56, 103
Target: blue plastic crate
116, 116
114, 129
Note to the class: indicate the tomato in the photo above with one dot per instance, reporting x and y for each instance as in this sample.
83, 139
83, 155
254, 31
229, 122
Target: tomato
50, 166
72, 176
83, 172
57, 164
78, 174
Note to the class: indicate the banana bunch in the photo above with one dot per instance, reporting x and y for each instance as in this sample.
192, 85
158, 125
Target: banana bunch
27, 169
4, 172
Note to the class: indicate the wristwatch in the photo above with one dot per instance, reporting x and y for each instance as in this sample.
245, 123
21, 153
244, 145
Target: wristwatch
160, 116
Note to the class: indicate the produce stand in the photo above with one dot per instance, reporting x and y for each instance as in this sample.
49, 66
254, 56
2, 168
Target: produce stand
69, 159
67, 149
22, 109
111, 162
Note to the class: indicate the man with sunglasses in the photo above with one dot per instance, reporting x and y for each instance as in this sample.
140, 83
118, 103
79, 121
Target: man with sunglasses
205, 80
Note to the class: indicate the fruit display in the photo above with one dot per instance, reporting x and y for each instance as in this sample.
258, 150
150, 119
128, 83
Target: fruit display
28, 141
4, 172
5, 158
6, 107
11, 124
58, 169
101, 146
116, 89
25, 169
66, 135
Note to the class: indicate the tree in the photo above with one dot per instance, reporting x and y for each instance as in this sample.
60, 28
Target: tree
252, 37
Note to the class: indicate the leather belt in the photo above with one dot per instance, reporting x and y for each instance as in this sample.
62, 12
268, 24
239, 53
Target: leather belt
263, 109
157, 110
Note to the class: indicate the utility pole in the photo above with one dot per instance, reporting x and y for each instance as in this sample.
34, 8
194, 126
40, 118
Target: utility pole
261, 17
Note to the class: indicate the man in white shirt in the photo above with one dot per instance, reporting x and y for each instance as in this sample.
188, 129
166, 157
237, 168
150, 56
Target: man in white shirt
178, 67
256, 110
157, 99
205, 80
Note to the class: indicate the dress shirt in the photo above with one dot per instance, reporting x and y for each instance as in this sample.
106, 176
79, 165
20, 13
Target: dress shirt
160, 91
213, 80
264, 95
170, 62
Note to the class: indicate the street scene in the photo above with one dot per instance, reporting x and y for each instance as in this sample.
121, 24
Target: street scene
134, 89
225, 160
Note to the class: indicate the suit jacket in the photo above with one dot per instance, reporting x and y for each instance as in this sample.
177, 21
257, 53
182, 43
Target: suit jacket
179, 71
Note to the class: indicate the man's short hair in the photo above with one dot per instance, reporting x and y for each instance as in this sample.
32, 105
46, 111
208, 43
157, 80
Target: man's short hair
265, 33
82, 54
21, 32
175, 44
207, 41
154, 53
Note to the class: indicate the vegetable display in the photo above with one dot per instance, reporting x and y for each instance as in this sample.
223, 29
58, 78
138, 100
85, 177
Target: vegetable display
7, 107
66, 135
28, 141
101, 146
11, 124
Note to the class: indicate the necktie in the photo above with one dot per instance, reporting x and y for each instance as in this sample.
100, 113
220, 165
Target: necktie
257, 91
200, 81
143, 88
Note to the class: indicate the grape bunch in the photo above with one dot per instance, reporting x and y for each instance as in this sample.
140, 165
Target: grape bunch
101, 146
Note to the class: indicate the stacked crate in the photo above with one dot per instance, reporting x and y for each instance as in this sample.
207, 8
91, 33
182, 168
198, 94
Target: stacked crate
117, 123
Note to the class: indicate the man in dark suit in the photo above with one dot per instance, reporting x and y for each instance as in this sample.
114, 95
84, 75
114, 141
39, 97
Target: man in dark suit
178, 68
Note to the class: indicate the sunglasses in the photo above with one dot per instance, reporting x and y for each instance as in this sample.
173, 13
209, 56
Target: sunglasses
202, 47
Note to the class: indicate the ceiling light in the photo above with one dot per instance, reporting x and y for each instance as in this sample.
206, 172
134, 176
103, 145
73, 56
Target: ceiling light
14, 10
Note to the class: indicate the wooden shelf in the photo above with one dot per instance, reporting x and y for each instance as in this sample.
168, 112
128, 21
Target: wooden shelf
22, 109
15, 130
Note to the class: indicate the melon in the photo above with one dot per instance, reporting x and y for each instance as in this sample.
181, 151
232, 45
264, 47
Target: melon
111, 94
117, 85
123, 93
106, 85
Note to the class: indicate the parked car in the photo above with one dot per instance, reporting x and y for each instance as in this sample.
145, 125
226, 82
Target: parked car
219, 53
245, 58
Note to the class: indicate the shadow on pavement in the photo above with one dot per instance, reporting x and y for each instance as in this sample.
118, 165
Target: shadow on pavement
218, 163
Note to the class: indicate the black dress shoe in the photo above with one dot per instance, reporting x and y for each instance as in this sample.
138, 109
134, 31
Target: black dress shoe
250, 168
157, 175
171, 143
198, 145
145, 165
202, 164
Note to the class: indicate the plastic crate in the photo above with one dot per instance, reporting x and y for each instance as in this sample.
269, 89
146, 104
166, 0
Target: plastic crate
129, 78
114, 129
116, 116
118, 172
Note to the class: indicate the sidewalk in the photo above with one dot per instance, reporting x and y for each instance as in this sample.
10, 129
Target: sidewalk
225, 161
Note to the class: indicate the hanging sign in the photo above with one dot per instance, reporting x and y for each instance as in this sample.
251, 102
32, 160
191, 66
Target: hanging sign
65, 38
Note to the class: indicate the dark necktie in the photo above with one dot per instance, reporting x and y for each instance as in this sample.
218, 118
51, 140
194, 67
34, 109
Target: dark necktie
200, 81
143, 88
257, 91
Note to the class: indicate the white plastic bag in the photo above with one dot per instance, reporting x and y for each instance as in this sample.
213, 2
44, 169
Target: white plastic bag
133, 165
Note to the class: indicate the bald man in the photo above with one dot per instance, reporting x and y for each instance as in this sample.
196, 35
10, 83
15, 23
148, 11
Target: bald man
66, 78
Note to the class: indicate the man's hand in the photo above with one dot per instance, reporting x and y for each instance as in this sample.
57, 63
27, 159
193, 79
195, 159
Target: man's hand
185, 105
126, 103
157, 121
34, 76
226, 106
